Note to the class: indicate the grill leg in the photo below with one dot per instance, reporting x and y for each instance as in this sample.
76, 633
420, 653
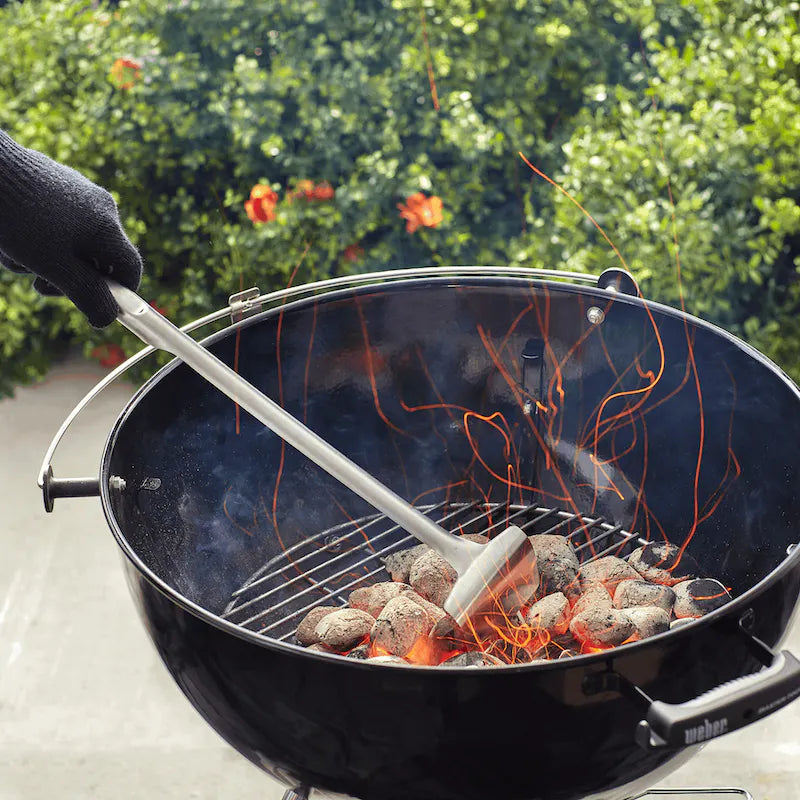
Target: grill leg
298, 793
691, 793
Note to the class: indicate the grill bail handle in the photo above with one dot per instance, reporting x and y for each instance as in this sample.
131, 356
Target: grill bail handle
154, 329
724, 709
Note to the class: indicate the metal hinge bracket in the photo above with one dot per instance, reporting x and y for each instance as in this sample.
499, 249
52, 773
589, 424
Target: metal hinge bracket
244, 304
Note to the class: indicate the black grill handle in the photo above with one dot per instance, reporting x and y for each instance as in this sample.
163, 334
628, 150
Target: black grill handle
723, 709
53, 488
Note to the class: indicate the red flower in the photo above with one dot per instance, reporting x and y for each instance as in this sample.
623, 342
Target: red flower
421, 210
109, 355
261, 205
353, 252
323, 191
124, 73
161, 309
307, 189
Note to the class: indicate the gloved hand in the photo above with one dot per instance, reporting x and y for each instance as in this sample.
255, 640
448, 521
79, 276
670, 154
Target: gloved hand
58, 225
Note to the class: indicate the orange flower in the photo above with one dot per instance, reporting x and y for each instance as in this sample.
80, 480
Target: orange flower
124, 73
264, 193
109, 355
304, 188
421, 210
261, 205
353, 252
323, 191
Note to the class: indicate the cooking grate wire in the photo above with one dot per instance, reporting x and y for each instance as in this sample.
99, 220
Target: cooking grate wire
324, 568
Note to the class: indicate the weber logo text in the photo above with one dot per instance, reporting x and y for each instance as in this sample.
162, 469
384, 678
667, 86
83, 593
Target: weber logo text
706, 730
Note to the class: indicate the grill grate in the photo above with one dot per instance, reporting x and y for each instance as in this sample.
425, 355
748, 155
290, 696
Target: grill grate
323, 569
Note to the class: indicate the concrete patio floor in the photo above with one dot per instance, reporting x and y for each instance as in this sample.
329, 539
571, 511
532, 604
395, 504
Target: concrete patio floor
86, 708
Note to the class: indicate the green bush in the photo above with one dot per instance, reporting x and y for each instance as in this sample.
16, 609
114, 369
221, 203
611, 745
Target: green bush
227, 95
715, 121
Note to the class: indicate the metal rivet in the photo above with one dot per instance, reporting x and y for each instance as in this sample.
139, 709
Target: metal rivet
117, 484
333, 543
595, 315
790, 549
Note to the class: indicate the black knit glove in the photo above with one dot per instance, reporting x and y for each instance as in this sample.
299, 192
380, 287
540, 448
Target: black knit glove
58, 225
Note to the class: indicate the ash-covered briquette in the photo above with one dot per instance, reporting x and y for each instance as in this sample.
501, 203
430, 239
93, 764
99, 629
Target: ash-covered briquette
662, 562
446, 628
373, 599
343, 629
431, 609
698, 597
596, 596
609, 570
474, 658
400, 625
604, 603
551, 614
557, 564
630, 594
599, 627
306, 633
398, 564
362, 652
648, 620
432, 577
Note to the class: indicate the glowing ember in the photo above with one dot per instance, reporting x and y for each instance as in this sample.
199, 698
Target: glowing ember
400, 629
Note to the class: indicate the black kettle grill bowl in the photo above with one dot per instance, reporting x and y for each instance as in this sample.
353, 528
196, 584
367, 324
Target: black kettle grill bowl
369, 369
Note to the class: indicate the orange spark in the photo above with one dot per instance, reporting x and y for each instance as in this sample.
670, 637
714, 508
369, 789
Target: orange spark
428, 59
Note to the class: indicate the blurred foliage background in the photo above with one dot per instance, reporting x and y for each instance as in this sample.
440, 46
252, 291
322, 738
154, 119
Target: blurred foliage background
676, 124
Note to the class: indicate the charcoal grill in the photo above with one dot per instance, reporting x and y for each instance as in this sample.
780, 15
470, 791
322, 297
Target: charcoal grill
209, 509
314, 572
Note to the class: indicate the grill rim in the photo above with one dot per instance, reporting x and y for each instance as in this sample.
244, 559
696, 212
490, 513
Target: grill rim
494, 276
